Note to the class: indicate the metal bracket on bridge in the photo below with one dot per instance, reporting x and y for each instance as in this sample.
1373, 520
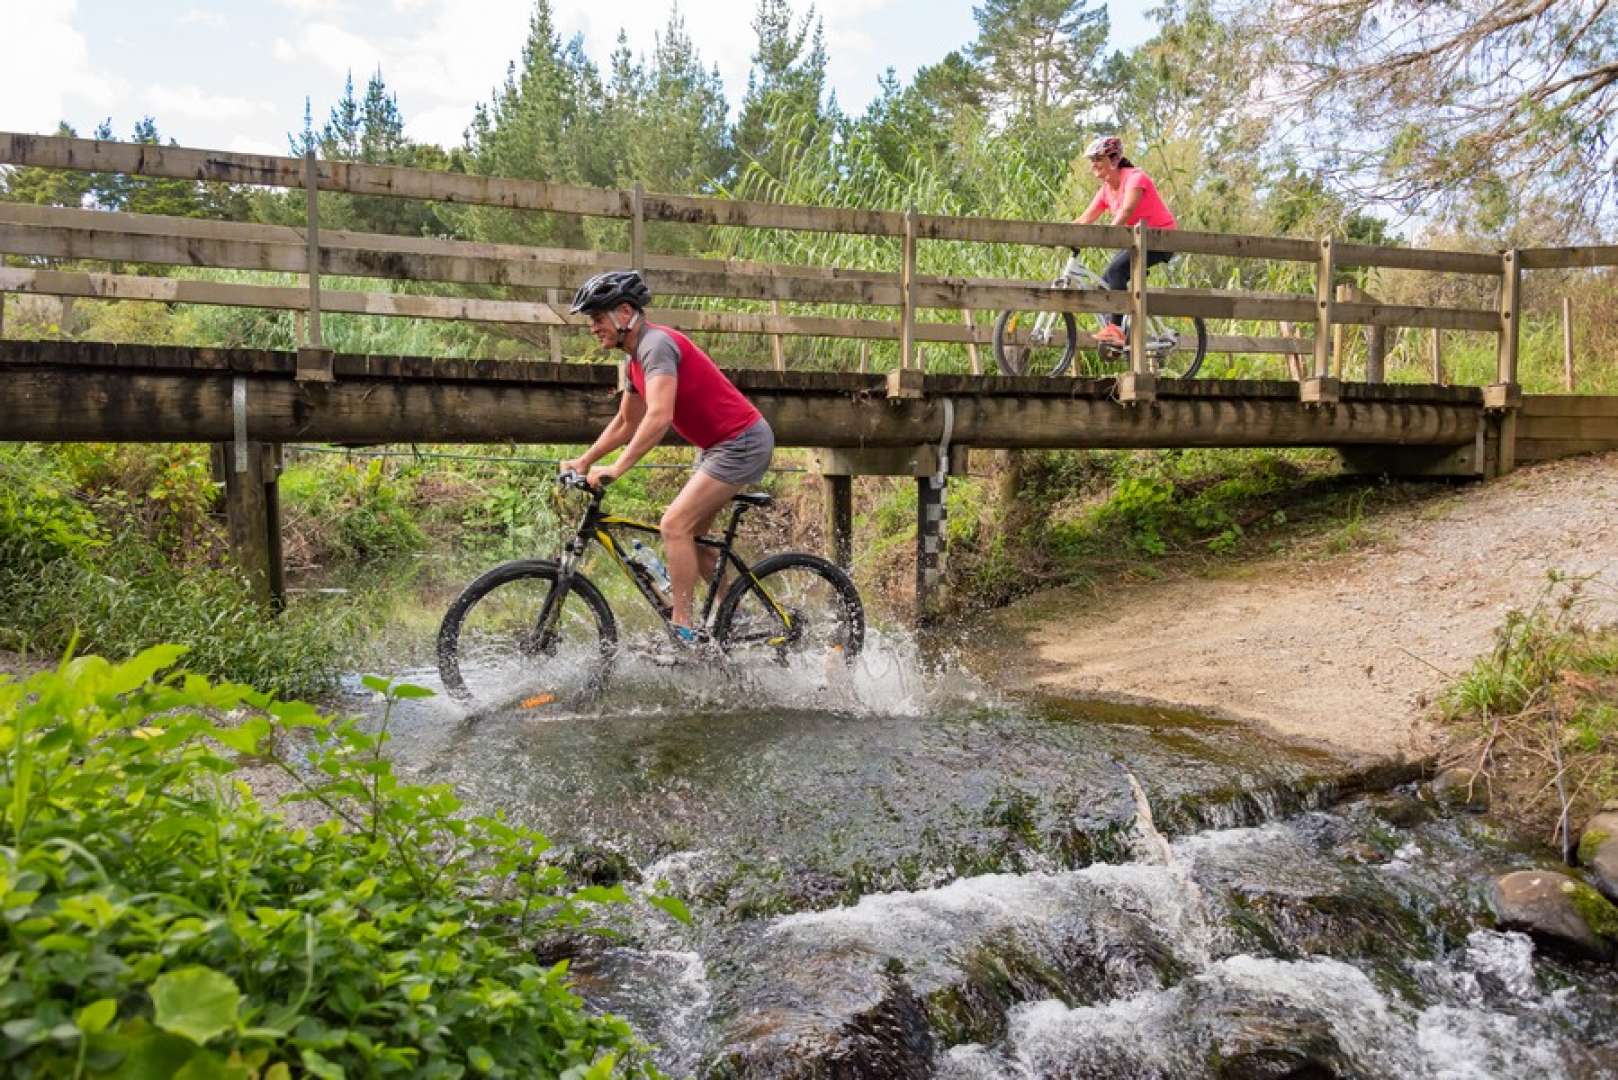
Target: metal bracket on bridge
315, 364
238, 410
941, 475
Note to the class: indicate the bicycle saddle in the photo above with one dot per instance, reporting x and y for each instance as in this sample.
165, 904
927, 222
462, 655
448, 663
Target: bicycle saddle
753, 498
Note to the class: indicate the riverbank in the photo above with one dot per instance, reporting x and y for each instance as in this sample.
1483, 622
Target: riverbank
1351, 649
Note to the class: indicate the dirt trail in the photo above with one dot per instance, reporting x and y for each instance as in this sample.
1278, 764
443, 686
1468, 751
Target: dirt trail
1348, 649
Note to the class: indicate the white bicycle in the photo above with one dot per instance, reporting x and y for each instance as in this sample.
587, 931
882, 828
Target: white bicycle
1046, 342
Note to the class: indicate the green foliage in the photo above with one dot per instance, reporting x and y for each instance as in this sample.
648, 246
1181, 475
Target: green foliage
160, 922
41, 518
165, 490
358, 510
93, 567
1542, 709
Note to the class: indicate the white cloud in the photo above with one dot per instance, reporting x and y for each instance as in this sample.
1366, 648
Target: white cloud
455, 54
192, 101
242, 144
312, 7
199, 17
47, 75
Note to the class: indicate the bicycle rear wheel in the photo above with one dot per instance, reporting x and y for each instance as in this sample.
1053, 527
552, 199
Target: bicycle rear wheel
1034, 342
1175, 345
795, 609
493, 652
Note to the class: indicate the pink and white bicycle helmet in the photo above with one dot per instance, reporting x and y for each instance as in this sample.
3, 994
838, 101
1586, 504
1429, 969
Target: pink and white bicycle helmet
1105, 146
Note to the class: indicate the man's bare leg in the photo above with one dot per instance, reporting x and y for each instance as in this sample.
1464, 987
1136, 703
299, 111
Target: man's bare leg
686, 518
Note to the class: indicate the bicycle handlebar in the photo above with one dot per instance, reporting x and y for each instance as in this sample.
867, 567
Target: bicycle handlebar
578, 482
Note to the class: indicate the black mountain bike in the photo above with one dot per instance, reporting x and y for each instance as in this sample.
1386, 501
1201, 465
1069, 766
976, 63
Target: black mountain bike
1047, 342
525, 629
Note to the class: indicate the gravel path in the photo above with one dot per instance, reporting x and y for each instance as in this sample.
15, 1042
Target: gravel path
1348, 649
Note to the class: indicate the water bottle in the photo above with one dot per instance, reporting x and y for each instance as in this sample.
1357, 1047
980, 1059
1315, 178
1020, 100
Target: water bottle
651, 564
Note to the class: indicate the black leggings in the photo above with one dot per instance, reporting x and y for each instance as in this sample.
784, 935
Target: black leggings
1116, 275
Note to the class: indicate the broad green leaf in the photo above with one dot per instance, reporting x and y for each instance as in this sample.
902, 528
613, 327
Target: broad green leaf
671, 906
319, 1066
409, 690
196, 1003
139, 669
374, 682
94, 1018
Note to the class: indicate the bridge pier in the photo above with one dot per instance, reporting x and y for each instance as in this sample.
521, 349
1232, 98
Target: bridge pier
837, 469
253, 517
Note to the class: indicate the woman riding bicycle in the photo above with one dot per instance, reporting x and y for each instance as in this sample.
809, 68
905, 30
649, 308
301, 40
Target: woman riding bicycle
1129, 193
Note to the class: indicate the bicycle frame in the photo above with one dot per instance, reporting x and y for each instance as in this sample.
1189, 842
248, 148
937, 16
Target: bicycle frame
594, 526
1160, 340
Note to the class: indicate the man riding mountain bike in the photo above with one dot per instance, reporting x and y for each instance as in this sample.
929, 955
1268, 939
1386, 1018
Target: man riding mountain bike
1129, 193
672, 383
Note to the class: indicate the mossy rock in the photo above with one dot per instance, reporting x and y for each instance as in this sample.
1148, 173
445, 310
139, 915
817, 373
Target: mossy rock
1557, 911
1598, 852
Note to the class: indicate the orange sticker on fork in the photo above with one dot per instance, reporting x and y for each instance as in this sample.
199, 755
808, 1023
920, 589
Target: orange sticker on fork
537, 700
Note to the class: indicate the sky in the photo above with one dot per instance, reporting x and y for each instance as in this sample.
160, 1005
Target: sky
234, 76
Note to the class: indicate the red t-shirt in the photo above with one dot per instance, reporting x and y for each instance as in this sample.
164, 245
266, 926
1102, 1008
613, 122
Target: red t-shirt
1151, 209
708, 408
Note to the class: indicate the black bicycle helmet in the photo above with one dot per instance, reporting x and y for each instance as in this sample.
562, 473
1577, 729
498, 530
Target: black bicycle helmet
610, 288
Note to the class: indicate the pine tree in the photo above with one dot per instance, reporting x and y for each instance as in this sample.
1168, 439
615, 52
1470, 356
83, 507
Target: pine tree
340, 138
1044, 61
785, 100
541, 125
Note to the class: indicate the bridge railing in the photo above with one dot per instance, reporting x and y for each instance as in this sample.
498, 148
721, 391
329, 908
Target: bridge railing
76, 234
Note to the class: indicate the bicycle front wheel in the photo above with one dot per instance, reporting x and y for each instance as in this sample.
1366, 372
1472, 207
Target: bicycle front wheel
1034, 342
494, 652
795, 609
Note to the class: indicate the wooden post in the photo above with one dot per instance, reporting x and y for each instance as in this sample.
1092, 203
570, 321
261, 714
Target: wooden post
1504, 397
972, 341
553, 334
865, 356
1376, 349
929, 545
1343, 294
314, 359
776, 351
1510, 310
2, 313
252, 509
311, 187
1435, 353
1569, 383
637, 228
1321, 388
907, 291
300, 329
839, 508
1140, 382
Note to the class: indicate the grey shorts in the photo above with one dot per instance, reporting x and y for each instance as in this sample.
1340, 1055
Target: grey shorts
743, 458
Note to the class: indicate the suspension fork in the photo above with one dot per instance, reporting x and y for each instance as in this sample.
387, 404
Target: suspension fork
566, 567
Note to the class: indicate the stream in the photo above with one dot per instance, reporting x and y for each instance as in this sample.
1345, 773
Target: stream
897, 871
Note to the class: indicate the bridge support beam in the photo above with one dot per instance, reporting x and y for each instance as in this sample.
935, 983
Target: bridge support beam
253, 517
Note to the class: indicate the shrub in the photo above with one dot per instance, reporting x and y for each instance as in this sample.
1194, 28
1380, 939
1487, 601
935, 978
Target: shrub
159, 922
352, 511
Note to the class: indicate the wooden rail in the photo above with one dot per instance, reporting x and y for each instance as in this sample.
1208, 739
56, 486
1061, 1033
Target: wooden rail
71, 234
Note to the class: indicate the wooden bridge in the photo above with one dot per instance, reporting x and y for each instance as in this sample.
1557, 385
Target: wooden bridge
864, 421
